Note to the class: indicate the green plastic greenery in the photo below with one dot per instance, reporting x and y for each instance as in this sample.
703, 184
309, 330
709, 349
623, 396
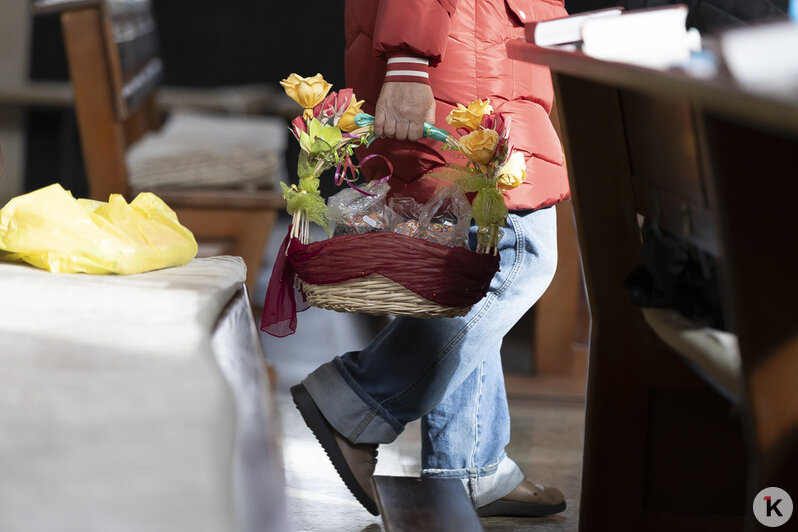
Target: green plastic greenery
307, 197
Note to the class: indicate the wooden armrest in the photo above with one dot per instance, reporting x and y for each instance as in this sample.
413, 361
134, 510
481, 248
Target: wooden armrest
234, 99
221, 198
714, 354
47, 93
44, 7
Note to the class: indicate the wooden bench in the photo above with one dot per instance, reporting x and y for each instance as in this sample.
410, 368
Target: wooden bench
714, 165
115, 71
425, 505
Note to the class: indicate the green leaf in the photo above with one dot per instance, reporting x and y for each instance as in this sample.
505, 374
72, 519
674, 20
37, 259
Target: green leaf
331, 135
304, 141
320, 146
314, 129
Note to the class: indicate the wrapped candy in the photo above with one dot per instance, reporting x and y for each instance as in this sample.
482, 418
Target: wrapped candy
406, 212
407, 228
353, 212
446, 218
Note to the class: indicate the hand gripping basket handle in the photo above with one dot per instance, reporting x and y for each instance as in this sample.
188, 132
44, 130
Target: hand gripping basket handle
363, 120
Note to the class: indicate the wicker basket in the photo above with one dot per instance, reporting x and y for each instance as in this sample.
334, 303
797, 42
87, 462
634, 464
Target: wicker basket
374, 294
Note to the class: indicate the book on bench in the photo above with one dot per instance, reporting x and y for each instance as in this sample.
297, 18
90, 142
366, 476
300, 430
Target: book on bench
655, 37
564, 30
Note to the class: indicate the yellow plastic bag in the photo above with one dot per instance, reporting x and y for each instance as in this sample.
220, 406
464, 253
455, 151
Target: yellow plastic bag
50, 229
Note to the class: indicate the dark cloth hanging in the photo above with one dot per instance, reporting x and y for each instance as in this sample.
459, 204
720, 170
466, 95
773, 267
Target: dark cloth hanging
671, 273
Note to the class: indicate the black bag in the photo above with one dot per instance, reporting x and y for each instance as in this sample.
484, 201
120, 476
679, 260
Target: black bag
672, 273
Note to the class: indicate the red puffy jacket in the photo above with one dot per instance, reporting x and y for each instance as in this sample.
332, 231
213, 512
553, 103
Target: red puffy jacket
465, 41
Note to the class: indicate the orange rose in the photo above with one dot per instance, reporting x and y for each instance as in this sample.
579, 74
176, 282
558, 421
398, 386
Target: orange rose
513, 172
469, 117
479, 145
307, 92
347, 120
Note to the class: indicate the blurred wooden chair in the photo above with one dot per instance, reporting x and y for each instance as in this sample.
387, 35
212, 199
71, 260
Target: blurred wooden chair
114, 67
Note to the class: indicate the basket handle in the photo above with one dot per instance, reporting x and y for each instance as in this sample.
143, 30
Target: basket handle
436, 133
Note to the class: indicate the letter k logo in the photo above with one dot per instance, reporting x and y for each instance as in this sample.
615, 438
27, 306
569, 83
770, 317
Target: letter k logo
772, 506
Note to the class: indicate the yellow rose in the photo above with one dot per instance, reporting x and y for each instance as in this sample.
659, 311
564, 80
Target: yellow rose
469, 117
347, 120
307, 92
479, 145
513, 172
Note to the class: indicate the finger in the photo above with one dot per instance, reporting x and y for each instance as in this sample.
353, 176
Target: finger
402, 127
379, 122
389, 128
415, 131
431, 113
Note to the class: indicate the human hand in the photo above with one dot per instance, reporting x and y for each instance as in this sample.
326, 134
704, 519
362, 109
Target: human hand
402, 108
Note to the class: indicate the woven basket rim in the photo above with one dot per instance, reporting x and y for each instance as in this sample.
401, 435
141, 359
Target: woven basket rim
376, 295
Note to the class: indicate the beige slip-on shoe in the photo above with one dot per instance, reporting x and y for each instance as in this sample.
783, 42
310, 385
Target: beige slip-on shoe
355, 463
527, 500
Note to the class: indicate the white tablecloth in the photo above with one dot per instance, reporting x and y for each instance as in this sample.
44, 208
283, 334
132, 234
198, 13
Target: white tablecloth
168, 312
114, 411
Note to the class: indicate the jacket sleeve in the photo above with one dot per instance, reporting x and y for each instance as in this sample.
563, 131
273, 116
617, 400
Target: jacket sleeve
417, 27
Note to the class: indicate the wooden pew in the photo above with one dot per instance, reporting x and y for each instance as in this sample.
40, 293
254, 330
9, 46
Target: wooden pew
664, 450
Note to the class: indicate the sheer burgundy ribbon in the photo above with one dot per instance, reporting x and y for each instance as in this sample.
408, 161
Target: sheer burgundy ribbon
446, 275
283, 299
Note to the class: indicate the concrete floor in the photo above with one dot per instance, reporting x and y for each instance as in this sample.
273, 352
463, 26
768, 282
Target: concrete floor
546, 437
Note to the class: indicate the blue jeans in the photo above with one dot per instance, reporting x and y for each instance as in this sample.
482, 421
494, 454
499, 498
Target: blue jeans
447, 372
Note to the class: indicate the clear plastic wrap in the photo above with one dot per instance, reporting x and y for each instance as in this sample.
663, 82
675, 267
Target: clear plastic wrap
446, 218
406, 212
353, 212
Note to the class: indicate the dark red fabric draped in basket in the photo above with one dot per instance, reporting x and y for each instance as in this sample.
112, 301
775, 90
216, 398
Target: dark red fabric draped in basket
445, 275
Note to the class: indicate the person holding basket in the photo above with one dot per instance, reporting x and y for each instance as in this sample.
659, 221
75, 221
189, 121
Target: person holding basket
410, 60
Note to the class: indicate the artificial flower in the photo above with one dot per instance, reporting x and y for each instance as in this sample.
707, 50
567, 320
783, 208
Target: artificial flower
479, 145
326, 108
333, 106
307, 92
496, 122
347, 120
319, 138
298, 126
469, 117
513, 172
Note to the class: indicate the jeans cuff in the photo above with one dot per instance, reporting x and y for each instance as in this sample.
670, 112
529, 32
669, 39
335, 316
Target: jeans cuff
484, 484
343, 408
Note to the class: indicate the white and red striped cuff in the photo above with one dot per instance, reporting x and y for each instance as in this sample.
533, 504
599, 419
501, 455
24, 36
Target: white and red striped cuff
405, 67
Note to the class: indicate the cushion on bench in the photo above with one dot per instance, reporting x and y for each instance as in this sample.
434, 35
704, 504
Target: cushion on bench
714, 353
204, 149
